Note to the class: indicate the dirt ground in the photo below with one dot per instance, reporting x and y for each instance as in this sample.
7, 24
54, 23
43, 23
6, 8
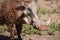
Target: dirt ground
44, 36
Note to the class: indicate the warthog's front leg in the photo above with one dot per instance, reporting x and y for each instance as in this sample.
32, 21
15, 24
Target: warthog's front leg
19, 28
10, 28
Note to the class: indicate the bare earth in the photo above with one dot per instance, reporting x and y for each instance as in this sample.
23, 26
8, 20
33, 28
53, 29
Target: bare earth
44, 36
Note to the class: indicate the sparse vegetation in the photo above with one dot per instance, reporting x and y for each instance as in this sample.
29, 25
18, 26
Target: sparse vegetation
52, 28
44, 10
3, 28
55, 11
36, 1
28, 29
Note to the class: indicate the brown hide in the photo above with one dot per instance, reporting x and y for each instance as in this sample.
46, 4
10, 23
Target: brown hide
8, 11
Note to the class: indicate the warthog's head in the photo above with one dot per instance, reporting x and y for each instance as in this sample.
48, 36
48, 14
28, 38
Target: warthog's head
31, 16
30, 13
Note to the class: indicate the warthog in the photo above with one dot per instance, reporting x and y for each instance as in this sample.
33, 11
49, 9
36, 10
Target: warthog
18, 12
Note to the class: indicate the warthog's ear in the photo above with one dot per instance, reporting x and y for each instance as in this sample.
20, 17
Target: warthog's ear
20, 8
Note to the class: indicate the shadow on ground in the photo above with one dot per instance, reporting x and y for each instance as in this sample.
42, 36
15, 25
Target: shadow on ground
2, 37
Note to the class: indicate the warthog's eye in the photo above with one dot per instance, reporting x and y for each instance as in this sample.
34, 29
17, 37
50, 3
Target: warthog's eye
20, 8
